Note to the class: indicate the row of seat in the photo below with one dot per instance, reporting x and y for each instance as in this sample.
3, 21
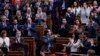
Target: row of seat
30, 43
60, 54
14, 53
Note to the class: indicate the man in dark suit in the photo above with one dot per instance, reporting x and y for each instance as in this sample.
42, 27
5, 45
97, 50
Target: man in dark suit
18, 43
14, 27
4, 24
29, 28
70, 16
64, 29
8, 15
86, 45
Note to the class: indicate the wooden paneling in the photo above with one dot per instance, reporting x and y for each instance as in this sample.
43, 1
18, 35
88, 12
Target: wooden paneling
40, 30
31, 45
14, 53
60, 54
58, 43
49, 22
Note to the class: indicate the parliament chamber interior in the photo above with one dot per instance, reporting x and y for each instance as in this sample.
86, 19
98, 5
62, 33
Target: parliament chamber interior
49, 27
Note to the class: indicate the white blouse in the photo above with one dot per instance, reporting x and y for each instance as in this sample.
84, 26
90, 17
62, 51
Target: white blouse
75, 46
6, 40
76, 11
84, 14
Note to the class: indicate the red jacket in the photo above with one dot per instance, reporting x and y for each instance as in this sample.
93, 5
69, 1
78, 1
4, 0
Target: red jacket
66, 54
13, 2
53, 54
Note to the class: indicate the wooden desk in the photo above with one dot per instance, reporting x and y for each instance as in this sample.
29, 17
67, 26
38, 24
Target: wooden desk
14, 53
60, 54
58, 43
31, 45
40, 30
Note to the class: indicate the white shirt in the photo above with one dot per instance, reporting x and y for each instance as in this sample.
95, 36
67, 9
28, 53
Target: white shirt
84, 14
18, 39
76, 11
41, 15
38, 4
6, 40
75, 46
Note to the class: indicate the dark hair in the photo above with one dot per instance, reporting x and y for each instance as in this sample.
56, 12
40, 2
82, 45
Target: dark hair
78, 20
3, 32
45, 32
85, 33
77, 3
15, 18
52, 50
76, 37
68, 50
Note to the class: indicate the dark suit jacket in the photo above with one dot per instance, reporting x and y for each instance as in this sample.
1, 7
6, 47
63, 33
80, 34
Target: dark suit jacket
4, 28
18, 45
87, 45
70, 18
63, 32
46, 42
13, 32
21, 40
32, 29
9, 17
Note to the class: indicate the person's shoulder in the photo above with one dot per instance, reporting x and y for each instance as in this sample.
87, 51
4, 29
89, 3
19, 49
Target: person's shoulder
7, 38
0, 37
33, 24
79, 39
25, 24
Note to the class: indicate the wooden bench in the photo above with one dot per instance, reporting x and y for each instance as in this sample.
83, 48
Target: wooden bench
14, 53
49, 22
60, 54
31, 45
40, 30
58, 43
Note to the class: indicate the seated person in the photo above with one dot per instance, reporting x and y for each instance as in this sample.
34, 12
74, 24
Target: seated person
29, 28
74, 43
14, 27
63, 31
4, 42
18, 44
41, 18
91, 53
4, 23
86, 44
48, 41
